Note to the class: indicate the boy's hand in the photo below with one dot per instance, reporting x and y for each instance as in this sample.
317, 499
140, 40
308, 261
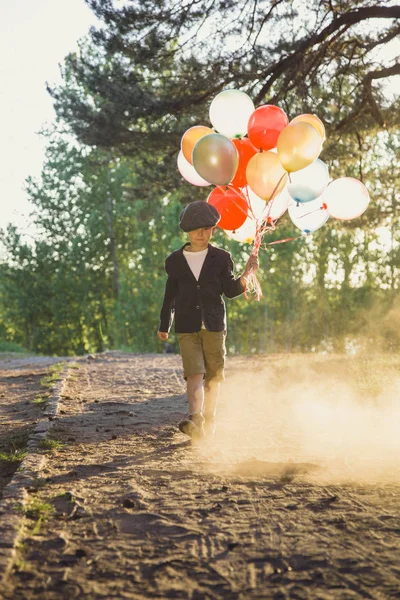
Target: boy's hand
251, 267
163, 335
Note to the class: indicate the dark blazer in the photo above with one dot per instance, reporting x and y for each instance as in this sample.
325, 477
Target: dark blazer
194, 302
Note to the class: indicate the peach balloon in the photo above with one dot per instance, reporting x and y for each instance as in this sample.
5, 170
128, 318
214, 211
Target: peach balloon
265, 175
299, 145
190, 139
311, 120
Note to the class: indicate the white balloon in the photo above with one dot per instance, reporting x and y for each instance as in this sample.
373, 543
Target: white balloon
346, 198
189, 173
230, 112
309, 183
257, 204
309, 216
278, 205
245, 233
273, 209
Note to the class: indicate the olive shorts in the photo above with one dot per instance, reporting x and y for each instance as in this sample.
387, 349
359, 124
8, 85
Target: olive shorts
203, 352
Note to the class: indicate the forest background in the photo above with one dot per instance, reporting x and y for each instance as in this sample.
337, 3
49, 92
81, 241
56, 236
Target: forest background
108, 200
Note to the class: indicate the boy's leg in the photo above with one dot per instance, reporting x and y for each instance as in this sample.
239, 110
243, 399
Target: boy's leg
211, 393
194, 371
195, 392
214, 358
193, 424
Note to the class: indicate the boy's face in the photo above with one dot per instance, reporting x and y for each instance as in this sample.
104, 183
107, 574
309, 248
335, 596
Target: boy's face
200, 237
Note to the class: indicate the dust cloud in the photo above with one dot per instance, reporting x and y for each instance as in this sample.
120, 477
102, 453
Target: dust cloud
335, 418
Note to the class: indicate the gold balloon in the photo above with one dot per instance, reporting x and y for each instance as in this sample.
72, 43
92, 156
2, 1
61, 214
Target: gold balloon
299, 144
190, 139
265, 175
311, 120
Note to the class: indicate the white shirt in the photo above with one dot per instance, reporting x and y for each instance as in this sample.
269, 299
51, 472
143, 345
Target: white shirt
195, 261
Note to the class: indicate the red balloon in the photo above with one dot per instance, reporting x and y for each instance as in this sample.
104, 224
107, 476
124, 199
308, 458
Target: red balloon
246, 151
231, 205
265, 125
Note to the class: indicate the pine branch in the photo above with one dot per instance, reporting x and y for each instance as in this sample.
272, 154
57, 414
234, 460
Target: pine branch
339, 25
368, 98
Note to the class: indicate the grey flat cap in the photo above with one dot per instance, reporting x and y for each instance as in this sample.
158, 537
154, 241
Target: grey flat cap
198, 214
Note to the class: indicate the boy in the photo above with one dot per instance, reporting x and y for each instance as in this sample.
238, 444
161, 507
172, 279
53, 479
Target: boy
198, 275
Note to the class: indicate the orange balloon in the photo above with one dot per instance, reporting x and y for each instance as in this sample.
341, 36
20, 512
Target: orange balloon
265, 175
190, 139
311, 120
246, 151
299, 144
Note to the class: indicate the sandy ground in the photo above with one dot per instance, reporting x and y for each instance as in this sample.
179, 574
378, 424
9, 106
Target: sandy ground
296, 497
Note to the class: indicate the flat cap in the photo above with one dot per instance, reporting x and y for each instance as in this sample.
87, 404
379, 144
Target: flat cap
198, 214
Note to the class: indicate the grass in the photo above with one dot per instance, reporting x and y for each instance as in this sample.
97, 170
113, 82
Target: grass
66, 496
14, 448
74, 365
13, 456
50, 445
20, 564
38, 483
40, 399
52, 375
38, 511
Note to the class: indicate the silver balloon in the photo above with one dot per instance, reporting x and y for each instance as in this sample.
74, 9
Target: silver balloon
215, 159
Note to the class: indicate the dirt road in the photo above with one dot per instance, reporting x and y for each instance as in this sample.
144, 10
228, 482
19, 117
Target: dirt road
126, 507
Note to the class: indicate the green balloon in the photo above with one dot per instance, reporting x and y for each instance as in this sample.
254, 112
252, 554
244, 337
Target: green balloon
215, 158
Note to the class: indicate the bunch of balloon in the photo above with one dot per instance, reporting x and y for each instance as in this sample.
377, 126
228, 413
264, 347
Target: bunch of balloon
262, 165
219, 156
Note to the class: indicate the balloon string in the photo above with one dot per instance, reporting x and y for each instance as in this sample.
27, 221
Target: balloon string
253, 285
247, 196
238, 193
271, 198
311, 212
290, 239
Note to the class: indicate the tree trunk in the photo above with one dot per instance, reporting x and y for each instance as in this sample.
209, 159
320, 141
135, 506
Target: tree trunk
109, 205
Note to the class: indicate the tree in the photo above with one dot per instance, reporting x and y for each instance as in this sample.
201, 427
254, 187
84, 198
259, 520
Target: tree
87, 280
154, 67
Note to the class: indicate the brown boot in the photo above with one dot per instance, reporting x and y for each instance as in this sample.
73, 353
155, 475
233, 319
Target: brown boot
192, 425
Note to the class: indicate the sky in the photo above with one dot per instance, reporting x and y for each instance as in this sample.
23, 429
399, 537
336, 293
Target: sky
35, 36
